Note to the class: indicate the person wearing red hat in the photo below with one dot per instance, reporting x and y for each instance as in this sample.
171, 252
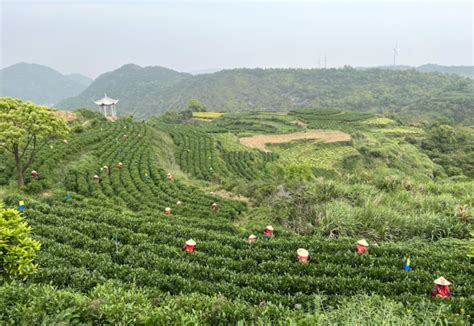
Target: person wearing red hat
34, 174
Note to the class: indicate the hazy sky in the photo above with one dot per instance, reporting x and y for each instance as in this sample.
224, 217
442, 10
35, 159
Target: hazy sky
92, 37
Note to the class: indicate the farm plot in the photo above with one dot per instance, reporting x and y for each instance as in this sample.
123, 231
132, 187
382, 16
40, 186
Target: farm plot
260, 141
318, 155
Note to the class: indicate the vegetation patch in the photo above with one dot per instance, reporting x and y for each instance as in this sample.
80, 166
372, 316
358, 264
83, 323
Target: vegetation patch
207, 115
379, 121
401, 131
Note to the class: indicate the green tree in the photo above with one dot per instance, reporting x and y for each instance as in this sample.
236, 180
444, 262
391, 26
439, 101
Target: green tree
196, 106
25, 128
17, 248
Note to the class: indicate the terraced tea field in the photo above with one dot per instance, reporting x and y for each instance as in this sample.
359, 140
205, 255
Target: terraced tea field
111, 255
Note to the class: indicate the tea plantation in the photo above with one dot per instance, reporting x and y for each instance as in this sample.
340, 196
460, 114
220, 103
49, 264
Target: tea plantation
110, 255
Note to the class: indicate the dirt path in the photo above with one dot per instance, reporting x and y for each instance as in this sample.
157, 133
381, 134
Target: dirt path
328, 136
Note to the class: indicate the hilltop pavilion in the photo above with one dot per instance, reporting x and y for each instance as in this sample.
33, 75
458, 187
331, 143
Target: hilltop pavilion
107, 106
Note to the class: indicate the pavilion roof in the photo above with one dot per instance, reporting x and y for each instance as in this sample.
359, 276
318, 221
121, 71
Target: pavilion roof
106, 101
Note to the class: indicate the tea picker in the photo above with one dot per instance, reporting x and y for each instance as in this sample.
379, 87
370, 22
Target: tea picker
268, 232
441, 288
252, 238
189, 246
21, 205
407, 265
302, 255
362, 246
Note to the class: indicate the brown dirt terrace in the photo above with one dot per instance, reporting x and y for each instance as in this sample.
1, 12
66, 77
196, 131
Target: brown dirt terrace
328, 136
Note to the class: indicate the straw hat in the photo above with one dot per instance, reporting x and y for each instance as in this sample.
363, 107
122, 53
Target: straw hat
178, 202
96, 177
363, 243
191, 242
302, 252
441, 281
269, 227
252, 236
167, 209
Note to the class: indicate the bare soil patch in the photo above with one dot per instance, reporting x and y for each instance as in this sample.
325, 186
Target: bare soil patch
68, 116
328, 136
229, 195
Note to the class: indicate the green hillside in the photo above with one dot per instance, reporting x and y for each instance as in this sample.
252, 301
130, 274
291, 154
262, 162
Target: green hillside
110, 254
149, 91
40, 84
466, 71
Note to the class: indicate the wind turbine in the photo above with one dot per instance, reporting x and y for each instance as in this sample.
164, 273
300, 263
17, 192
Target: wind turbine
395, 53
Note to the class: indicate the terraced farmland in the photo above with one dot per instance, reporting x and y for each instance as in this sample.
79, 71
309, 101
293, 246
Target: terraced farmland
110, 254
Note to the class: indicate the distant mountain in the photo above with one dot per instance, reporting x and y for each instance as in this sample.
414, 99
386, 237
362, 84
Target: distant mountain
40, 84
148, 91
80, 79
464, 71
204, 71
141, 91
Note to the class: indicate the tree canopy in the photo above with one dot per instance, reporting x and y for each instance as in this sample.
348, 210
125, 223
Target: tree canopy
17, 248
196, 106
25, 128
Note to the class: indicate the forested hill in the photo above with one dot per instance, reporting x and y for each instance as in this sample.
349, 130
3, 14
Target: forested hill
463, 71
40, 84
151, 90
466, 71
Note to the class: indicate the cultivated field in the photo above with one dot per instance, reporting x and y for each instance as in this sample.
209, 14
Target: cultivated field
328, 136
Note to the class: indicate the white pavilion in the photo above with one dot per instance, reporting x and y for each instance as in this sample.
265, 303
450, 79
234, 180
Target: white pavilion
107, 106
